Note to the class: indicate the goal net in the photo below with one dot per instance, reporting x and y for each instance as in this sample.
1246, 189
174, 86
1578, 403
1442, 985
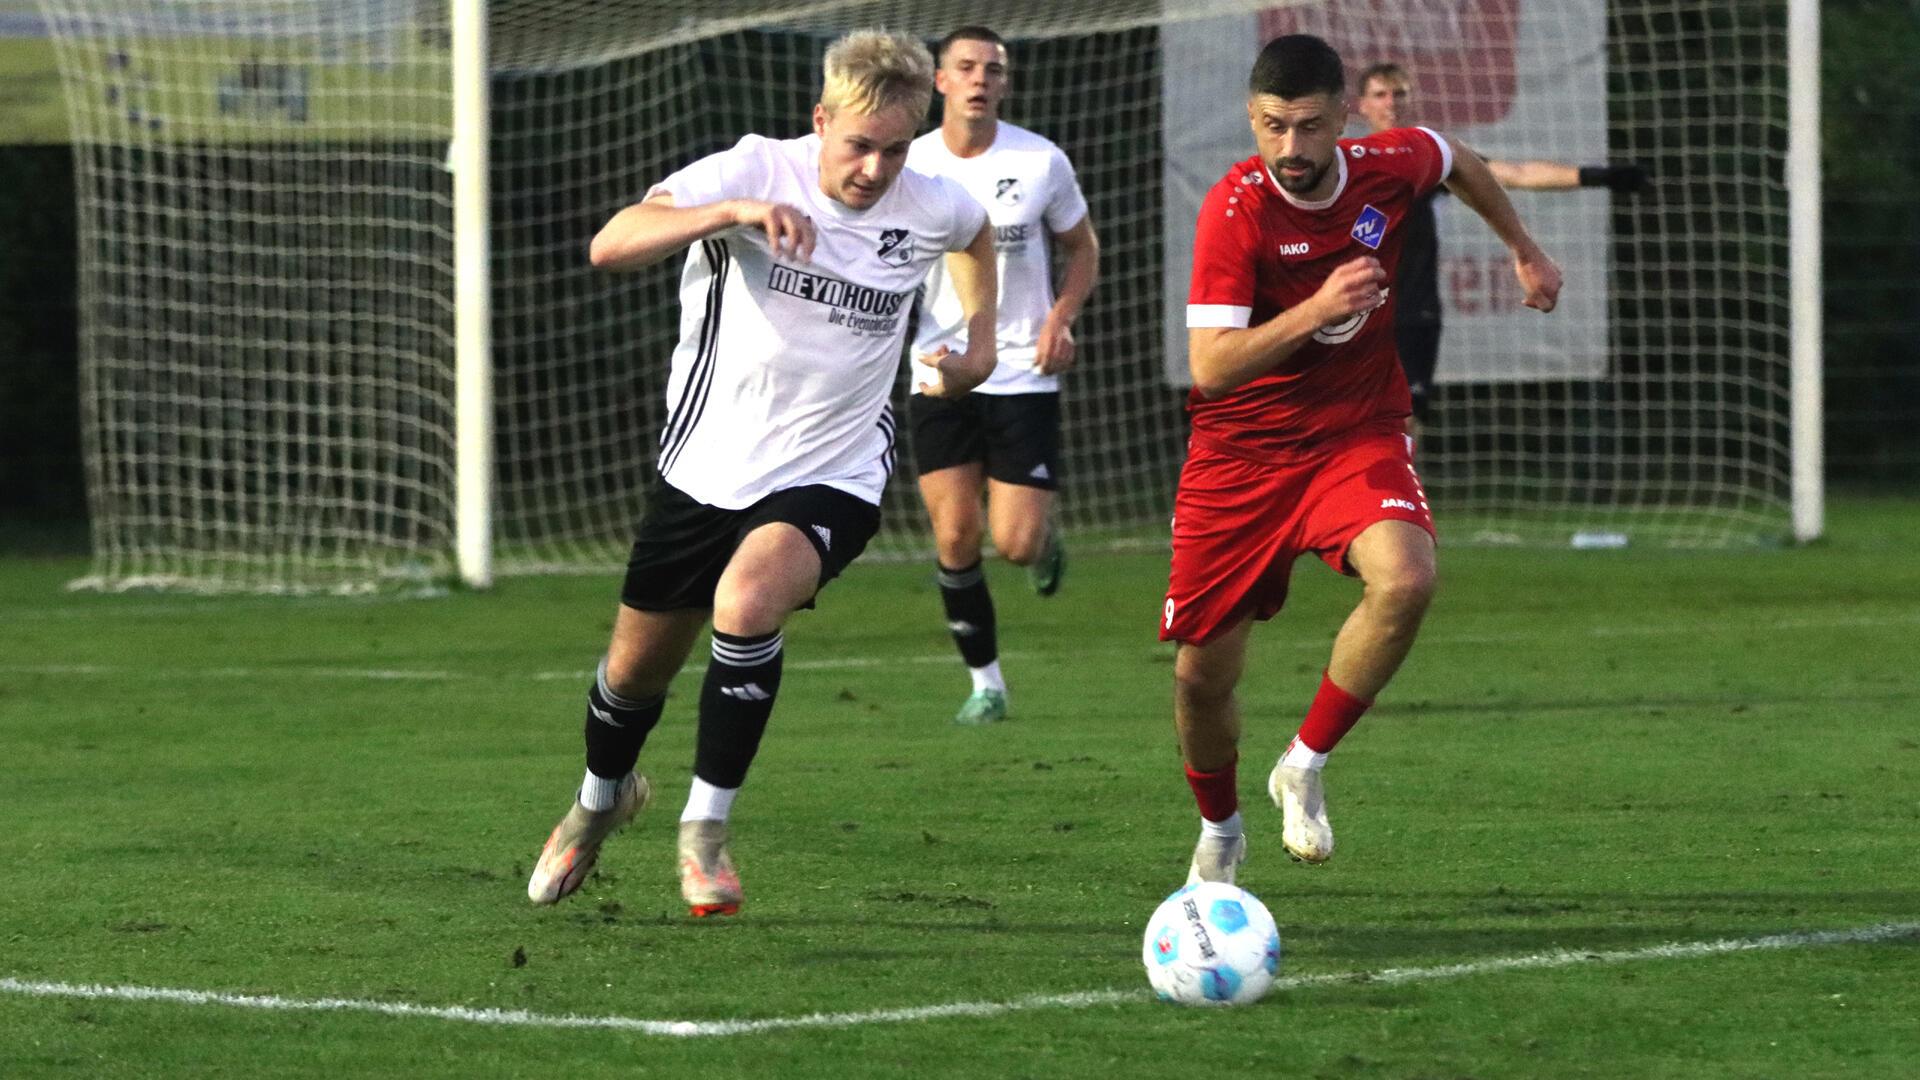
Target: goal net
268, 282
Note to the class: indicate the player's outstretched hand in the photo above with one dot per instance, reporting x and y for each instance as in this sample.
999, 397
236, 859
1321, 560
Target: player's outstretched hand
1354, 286
955, 374
1539, 277
789, 232
1628, 178
1055, 350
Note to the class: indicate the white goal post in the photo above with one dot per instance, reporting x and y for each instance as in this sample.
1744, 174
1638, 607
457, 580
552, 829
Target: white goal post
1803, 188
468, 159
339, 332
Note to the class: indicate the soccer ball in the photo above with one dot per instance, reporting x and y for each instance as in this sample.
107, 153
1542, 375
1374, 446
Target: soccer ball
1211, 944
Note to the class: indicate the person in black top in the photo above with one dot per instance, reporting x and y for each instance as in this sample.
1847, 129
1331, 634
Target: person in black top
1385, 95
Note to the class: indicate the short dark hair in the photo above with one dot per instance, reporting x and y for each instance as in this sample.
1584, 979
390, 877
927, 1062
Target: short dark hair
1388, 70
965, 33
1295, 66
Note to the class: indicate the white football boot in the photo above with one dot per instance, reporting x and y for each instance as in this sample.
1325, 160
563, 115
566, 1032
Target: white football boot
1304, 830
708, 882
1217, 858
574, 845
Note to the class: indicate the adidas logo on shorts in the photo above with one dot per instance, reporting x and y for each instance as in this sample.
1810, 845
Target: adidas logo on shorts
1040, 472
826, 536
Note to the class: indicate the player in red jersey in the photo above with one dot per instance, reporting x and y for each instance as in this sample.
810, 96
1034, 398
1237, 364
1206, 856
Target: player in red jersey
1298, 407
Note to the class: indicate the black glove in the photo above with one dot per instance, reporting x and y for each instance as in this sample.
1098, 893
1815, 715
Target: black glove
1621, 179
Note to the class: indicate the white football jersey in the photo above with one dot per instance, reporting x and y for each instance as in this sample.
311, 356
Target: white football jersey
784, 370
1029, 190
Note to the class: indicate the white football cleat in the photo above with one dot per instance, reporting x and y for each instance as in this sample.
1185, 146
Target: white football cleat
1304, 830
708, 882
574, 845
1217, 858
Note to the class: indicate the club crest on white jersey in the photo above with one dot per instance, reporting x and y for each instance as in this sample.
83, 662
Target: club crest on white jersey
896, 247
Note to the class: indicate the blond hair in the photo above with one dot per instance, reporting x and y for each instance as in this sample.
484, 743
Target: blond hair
1388, 72
870, 71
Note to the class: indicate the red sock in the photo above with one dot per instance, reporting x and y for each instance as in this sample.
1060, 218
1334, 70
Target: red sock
1332, 715
1218, 793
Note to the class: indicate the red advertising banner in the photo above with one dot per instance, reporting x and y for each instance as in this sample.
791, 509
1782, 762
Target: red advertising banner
1462, 53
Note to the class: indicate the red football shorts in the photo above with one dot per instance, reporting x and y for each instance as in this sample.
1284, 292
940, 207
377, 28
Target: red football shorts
1238, 525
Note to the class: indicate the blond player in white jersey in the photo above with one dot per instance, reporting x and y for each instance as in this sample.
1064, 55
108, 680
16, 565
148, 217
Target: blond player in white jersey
803, 258
1003, 440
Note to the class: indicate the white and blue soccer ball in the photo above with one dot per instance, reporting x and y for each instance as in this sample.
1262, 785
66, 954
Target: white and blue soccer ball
1211, 944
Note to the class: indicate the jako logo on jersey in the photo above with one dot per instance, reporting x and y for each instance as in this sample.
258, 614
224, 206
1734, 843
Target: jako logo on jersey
834, 292
1300, 248
1397, 504
1370, 227
896, 247
1007, 192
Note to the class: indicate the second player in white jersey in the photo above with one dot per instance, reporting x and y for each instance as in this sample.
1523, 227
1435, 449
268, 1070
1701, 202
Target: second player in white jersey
1000, 444
1030, 193
784, 369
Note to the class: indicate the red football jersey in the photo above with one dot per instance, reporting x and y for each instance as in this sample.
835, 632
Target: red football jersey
1257, 251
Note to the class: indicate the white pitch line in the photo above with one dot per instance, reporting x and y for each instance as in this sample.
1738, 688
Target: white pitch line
369, 674
864, 662
441, 675
1087, 999
842, 663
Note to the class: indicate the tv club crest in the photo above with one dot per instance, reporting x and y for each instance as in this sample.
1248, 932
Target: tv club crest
1370, 227
896, 247
1007, 192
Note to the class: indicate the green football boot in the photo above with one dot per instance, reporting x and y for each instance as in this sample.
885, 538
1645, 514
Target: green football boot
983, 707
1045, 573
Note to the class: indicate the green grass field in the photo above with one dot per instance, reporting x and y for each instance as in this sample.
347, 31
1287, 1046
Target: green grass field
32, 109
172, 84
1588, 756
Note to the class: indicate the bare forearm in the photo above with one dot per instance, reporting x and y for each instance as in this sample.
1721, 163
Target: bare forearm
1223, 358
1474, 184
1221, 361
1079, 270
647, 232
1535, 175
975, 282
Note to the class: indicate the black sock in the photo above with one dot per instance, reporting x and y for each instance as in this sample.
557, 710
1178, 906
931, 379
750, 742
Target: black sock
969, 614
617, 728
735, 702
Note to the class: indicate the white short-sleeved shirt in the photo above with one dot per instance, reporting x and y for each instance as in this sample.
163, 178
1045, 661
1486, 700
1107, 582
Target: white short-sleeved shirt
1028, 187
784, 370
